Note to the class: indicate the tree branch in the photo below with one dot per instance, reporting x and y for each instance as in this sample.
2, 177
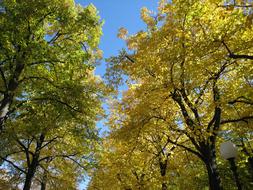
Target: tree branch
14, 165
59, 101
241, 99
3, 78
48, 142
185, 147
45, 62
244, 119
236, 56
177, 98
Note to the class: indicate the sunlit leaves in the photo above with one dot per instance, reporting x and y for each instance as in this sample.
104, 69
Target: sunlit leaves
189, 77
50, 96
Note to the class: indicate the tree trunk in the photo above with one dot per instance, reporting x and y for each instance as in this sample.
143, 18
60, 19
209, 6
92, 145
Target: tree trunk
164, 186
250, 162
30, 175
43, 185
213, 176
34, 164
44, 181
163, 168
209, 158
11, 87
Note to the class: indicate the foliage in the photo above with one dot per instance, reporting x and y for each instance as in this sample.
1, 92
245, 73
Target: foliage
189, 77
50, 98
43, 51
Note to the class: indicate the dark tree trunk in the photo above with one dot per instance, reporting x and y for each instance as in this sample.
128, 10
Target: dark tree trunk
32, 167
213, 176
250, 160
163, 168
30, 174
235, 173
209, 155
4, 108
164, 186
10, 88
43, 185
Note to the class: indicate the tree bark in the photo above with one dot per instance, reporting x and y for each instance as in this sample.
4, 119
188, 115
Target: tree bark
43, 186
211, 166
213, 176
30, 174
250, 162
34, 164
11, 87
164, 186
163, 168
44, 178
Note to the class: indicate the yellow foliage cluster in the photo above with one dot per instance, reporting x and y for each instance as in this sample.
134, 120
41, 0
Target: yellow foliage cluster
191, 76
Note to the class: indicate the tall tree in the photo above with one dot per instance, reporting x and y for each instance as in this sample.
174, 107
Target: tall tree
185, 58
50, 97
56, 144
45, 42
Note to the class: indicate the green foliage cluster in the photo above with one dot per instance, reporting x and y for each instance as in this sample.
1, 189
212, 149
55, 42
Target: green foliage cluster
50, 98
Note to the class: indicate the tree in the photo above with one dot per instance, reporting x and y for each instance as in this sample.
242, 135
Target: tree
120, 167
50, 97
185, 58
137, 153
51, 148
53, 44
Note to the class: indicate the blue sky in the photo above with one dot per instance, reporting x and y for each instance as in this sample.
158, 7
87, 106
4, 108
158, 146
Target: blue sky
116, 14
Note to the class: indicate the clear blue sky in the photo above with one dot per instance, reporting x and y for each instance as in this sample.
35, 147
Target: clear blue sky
116, 14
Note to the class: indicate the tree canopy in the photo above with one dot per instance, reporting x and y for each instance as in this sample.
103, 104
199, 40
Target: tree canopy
190, 79
190, 88
50, 98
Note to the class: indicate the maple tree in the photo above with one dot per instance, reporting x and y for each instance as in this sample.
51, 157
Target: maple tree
145, 162
190, 88
50, 98
53, 44
40, 149
195, 58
